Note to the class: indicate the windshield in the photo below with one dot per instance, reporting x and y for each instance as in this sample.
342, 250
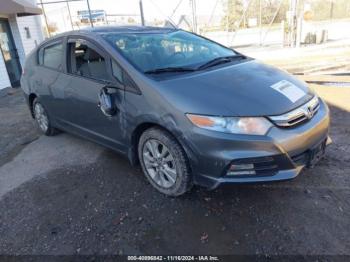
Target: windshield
152, 51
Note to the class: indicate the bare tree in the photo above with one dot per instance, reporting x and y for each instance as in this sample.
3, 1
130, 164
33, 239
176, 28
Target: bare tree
233, 13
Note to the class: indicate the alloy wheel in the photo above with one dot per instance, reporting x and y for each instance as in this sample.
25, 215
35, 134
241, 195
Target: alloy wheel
41, 117
159, 163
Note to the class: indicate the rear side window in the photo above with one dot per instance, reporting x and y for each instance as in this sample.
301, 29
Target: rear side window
51, 56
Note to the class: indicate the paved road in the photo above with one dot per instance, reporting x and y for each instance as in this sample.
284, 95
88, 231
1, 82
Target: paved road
64, 195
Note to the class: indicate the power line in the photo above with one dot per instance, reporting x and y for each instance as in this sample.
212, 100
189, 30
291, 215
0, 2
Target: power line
212, 13
58, 2
169, 19
240, 21
273, 19
175, 9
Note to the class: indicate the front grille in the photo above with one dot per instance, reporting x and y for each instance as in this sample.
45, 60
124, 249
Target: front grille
299, 115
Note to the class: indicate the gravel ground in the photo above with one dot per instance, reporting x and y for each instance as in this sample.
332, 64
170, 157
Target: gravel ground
16, 127
64, 195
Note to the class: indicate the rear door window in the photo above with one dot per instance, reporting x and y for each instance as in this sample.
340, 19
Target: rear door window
51, 56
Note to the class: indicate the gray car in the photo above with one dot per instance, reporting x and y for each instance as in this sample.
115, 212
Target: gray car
189, 110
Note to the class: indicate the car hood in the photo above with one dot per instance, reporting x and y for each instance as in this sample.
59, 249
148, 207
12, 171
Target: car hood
244, 89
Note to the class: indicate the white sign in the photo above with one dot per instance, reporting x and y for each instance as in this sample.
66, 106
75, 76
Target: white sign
289, 90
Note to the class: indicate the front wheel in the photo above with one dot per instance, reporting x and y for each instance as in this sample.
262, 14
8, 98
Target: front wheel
164, 162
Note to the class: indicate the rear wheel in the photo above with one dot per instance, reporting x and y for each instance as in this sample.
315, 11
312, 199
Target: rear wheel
43, 119
164, 162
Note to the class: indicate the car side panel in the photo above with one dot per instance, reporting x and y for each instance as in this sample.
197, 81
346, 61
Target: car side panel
46, 86
79, 111
28, 73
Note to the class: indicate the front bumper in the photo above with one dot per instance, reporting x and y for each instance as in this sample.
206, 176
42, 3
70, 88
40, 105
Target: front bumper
280, 155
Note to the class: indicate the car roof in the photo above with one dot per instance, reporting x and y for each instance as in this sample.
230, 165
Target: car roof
101, 30
128, 29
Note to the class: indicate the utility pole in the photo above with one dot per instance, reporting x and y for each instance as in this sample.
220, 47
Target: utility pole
45, 18
90, 16
260, 21
194, 16
293, 21
332, 9
70, 15
227, 25
142, 15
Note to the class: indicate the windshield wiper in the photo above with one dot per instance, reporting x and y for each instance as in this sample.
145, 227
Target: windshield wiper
213, 62
220, 60
169, 69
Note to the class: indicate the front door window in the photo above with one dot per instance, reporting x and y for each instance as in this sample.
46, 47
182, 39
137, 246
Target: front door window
87, 62
9, 53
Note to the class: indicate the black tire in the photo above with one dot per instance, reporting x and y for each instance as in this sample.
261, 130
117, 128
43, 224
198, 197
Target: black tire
50, 130
183, 181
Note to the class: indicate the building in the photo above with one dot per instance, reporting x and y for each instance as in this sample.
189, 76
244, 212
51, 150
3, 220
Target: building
20, 32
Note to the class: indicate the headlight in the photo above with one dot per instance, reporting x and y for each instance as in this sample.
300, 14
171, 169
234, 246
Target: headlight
235, 125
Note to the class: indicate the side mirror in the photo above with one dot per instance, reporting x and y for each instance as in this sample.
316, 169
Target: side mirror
106, 102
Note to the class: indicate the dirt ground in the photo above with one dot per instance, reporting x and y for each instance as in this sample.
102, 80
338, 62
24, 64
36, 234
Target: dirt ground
64, 195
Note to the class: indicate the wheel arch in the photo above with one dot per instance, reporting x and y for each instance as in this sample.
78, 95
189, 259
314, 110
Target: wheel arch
135, 137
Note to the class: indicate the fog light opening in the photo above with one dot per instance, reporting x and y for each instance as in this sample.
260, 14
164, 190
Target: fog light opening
241, 169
